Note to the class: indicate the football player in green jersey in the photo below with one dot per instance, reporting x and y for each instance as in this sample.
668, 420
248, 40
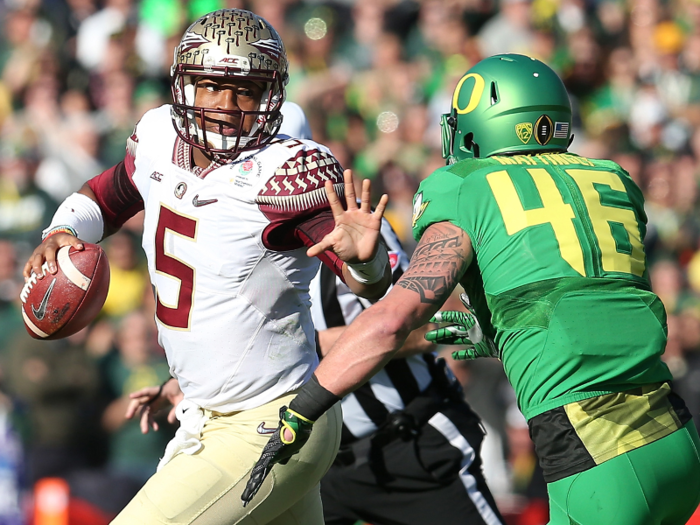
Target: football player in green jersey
549, 247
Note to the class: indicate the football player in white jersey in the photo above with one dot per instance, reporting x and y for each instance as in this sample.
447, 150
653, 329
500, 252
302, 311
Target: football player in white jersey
236, 219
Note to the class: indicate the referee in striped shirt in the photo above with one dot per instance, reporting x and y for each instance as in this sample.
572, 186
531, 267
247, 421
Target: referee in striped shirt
409, 451
410, 444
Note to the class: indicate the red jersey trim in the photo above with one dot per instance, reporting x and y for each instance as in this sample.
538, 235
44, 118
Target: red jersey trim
117, 194
286, 233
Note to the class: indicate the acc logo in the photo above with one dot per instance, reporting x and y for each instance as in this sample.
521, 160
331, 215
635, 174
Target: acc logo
180, 190
418, 208
235, 61
543, 130
524, 131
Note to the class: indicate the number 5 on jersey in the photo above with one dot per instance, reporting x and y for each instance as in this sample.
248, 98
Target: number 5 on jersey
178, 315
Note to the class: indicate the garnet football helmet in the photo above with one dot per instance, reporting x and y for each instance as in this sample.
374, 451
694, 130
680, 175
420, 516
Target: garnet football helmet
229, 43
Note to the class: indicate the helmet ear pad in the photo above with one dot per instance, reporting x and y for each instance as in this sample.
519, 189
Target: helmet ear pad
470, 145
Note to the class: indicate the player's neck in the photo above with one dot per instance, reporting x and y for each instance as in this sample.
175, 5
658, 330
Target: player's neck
201, 159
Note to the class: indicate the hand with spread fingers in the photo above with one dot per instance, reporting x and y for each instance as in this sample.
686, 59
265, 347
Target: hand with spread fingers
463, 329
356, 234
292, 433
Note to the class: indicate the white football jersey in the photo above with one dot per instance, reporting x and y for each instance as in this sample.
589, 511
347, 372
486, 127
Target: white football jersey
232, 292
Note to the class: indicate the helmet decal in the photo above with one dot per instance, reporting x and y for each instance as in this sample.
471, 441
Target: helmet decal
191, 41
268, 46
524, 131
561, 130
474, 98
543, 128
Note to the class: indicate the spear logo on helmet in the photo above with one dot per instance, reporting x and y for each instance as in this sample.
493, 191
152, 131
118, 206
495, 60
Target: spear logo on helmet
268, 46
191, 41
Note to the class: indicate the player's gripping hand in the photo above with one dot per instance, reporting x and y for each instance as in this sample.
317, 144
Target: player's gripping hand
292, 433
46, 252
463, 329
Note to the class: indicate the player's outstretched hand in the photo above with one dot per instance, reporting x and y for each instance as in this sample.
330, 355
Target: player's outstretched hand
356, 234
463, 329
291, 434
148, 401
46, 253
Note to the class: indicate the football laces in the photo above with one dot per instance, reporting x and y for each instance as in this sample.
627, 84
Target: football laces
31, 282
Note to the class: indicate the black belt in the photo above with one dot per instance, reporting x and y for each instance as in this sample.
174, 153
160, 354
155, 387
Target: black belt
402, 424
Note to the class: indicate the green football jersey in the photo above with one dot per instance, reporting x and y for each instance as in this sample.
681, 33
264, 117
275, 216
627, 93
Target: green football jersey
559, 277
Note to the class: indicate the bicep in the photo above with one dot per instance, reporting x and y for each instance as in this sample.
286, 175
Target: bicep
116, 194
438, 263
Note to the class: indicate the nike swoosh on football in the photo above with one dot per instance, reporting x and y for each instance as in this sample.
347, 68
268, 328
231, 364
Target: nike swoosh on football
40, 312
197, 203
262, 429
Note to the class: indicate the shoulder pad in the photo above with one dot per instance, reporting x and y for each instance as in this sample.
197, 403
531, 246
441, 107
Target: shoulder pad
298, 183
155, 119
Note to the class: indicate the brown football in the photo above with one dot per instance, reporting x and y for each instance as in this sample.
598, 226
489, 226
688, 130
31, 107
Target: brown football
64, 303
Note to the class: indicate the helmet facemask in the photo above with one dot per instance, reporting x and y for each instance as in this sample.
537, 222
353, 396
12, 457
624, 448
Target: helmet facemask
228, 44
450, 137
188, 116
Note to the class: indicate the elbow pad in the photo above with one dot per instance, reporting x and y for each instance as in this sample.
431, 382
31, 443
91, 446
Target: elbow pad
80, 213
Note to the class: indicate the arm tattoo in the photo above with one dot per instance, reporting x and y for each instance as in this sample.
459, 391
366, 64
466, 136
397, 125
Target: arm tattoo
437, 265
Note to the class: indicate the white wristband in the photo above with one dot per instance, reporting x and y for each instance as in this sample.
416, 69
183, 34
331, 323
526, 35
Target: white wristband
372, 271
82, 214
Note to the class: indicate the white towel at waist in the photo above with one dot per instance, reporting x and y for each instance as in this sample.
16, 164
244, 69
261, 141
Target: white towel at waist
186, 440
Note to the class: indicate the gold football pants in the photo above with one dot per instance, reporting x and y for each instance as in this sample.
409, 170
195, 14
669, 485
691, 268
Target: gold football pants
205, 488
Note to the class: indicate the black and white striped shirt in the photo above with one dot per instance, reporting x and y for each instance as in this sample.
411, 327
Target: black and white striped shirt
401, 380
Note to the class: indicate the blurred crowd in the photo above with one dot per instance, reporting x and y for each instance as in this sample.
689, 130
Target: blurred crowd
373, 76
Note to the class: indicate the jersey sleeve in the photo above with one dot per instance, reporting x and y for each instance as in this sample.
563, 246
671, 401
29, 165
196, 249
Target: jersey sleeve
115, 190
295, 192
437, 200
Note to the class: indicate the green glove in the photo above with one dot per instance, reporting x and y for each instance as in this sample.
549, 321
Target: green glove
464, 329
278, 450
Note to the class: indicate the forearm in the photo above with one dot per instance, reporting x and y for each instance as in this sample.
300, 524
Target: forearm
113, 416
364, 348
327, 338
415, 342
